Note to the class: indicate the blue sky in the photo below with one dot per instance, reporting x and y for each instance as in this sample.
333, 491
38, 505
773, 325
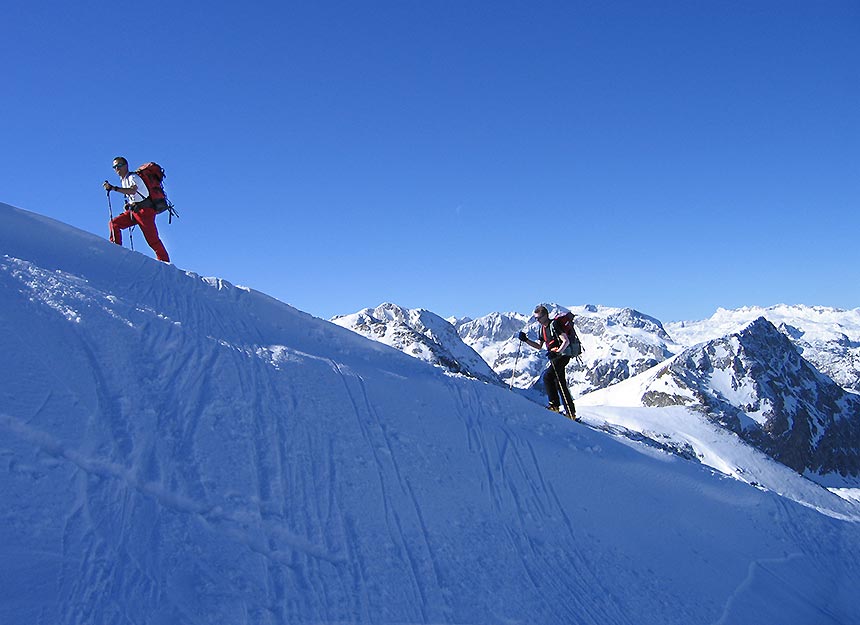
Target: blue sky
465, 157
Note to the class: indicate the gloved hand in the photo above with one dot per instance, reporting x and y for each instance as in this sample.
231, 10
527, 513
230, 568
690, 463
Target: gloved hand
522, 336
108, 186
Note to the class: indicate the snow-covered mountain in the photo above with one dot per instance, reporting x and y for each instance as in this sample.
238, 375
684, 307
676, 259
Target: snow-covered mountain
419, 333
756, 384
827, 337
175, 449
493, 337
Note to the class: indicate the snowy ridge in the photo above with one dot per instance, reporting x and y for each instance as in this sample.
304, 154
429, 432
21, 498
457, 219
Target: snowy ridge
176, 449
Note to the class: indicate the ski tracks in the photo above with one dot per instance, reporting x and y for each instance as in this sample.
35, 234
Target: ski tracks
527, 499
86, 534
402, 510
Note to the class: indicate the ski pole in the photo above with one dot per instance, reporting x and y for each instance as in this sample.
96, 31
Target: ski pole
131, 228
110, 212
514, 373
110, 209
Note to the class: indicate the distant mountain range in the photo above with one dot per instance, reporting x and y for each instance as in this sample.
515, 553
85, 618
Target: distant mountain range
785, 379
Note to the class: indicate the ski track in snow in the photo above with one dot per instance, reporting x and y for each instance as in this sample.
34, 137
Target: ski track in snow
509, 462
229, 523
397, 498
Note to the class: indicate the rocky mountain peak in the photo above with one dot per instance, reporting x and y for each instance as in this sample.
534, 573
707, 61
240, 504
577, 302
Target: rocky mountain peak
756, 383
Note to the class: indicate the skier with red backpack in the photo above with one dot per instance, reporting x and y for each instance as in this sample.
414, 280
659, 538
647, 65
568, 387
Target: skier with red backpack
141, 191
562, 344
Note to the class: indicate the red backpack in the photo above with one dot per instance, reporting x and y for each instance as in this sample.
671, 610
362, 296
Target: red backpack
563, 324
152, 175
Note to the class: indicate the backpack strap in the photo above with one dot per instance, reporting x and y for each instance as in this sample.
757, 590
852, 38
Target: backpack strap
144, 196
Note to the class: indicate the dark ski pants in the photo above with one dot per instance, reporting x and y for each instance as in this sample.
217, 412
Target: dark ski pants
554, 382
145, 218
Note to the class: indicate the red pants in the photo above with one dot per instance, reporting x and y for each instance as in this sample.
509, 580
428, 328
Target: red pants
145, 218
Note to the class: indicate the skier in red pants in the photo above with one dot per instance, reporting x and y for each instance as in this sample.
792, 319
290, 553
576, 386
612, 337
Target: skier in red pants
139, 209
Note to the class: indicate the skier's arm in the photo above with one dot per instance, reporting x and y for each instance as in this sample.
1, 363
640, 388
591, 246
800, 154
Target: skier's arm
136, 183
124, 190
565, 341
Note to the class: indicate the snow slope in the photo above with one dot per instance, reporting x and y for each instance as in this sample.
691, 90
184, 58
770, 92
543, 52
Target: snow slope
175, 449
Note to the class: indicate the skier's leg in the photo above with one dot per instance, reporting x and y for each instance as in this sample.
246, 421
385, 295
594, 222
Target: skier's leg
561, 363
118, 224
550, 385
146, 218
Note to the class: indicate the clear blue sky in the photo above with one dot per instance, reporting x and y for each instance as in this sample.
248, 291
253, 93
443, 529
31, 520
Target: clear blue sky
340, 154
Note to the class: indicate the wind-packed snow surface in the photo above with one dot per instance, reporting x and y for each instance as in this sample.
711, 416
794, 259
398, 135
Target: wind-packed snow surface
175, 449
